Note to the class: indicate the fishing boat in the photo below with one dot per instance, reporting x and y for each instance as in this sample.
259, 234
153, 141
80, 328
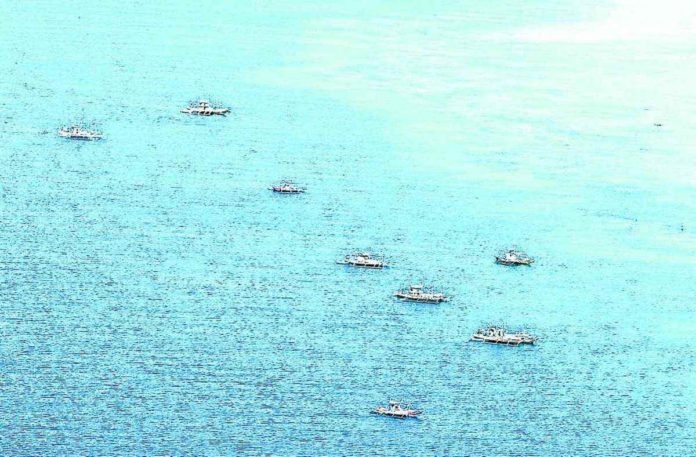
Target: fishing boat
362, 260
287, 187
204, 108
513, 257
418, 293
394, 409
498, 335
77, 132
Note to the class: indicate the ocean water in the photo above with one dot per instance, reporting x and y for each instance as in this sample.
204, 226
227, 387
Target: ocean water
157, 299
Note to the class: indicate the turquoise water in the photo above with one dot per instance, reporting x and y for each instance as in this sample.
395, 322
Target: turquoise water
156, 298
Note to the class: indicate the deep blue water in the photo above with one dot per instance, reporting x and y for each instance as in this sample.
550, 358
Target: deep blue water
156, 298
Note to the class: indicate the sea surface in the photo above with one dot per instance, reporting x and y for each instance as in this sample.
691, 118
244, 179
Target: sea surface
157, 299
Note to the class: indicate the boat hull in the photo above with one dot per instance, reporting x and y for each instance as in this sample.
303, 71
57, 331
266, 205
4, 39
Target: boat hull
398, 415
81, 138
280, 191
513, 263
503, 341
205, 113
360, 265
419, 300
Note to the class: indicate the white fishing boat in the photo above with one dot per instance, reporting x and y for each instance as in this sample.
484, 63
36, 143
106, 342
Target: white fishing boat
394, 409
362, 260
287, 187
77, 132
498, 335
420, 294
204, 108
513, 257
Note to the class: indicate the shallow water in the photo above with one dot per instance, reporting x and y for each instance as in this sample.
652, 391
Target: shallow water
156, 298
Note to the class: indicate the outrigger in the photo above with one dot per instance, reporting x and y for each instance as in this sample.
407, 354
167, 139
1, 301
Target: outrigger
204, 108
77, 132
512, 257
395, 410
287, 187
362, 260
419, 294
498, 335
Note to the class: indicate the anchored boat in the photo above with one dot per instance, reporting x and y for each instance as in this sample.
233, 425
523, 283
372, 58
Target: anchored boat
396, 410
362, 260
512, 258
204, 108
498, 335
77, 132
287, 187
418, 293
